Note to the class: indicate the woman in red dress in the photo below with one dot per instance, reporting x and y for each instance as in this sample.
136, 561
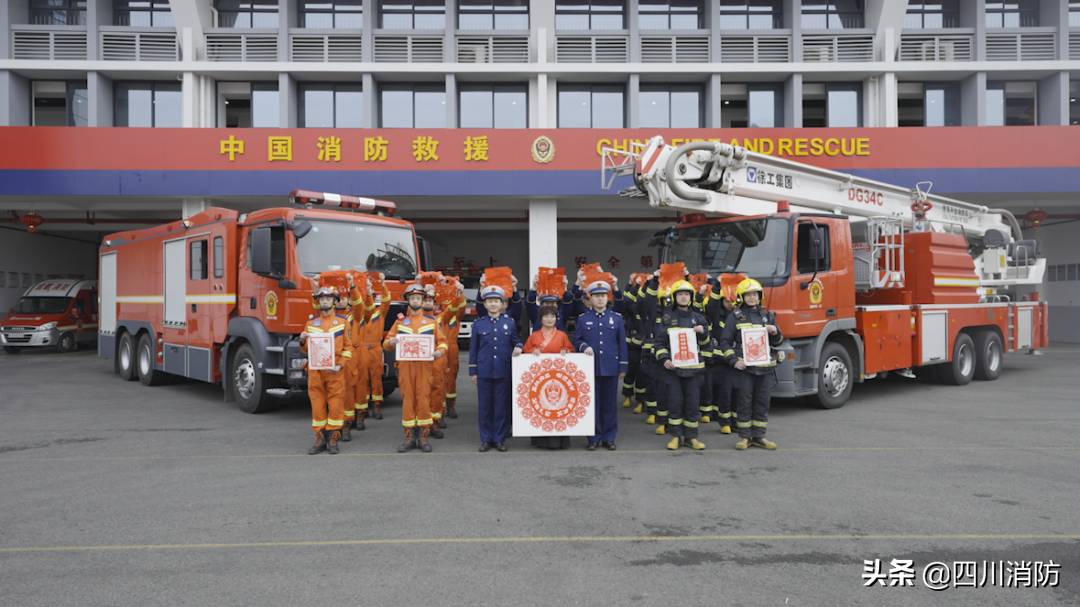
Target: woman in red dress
549, 340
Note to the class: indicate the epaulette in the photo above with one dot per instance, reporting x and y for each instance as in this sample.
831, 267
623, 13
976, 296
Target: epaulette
429, 316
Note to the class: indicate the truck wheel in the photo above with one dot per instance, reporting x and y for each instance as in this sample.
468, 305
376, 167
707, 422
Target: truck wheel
248, 385
125, 357
67, 343
959, 370
12, 349
148, 375
928, 374
988, 355
834, 378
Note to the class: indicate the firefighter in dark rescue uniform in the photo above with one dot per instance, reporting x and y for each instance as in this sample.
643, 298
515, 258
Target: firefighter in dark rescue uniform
683, 383
753, 385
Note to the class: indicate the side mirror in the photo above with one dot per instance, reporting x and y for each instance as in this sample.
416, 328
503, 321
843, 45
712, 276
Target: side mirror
260, 252
301, 229
817, 244
73, 314
285, 283
10, 310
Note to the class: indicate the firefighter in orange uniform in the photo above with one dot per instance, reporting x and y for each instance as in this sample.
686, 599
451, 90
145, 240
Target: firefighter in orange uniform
453, 326
356, 397
326, 388
415, 377
372, 342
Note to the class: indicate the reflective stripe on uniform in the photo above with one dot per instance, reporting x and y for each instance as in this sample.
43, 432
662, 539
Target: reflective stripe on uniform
758, 424
675, 422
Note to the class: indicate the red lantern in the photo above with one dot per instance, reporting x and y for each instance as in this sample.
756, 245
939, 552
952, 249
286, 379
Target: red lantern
31, 221
1036, 217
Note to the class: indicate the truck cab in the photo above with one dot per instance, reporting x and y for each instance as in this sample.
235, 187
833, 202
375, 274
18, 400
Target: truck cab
55, 313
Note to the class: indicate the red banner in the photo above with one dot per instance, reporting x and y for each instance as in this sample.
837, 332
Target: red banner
551, 282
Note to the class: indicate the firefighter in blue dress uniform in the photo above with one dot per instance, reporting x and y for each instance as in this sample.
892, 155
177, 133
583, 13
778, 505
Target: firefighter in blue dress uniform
600, 334
493, 342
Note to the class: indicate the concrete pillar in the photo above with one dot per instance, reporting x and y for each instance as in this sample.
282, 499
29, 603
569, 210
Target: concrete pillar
371, 98
451, 102
542, 24
547, 115
289, 100
288, 16
449, 38
99, 89
973, 14
15, 99
793, 101
973, 100
887, 110
635, 34
11, 13
367, 48
633, 98
1053, 99
543, 236
712, 102
98, 13
793, 21
194, 206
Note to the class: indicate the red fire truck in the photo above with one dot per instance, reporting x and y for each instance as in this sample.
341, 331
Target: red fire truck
221, 296
865, 278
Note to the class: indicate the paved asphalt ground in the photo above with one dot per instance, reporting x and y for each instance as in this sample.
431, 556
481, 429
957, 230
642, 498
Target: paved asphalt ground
112, 493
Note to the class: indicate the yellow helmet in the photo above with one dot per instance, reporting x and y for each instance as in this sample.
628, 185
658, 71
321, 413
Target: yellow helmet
681, 285
747, 286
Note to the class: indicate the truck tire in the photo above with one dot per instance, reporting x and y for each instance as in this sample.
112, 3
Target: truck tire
66, 343
12, 349
928, 374
125, 357
988, 355
148, 375
247, 384
835, 377
959, 370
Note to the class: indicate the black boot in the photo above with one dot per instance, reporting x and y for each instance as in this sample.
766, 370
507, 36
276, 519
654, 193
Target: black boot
451, 404
331, 443
424, 433
442, 424
410, 442
435, 432
346, 432
376, 412
360, 414
320, 443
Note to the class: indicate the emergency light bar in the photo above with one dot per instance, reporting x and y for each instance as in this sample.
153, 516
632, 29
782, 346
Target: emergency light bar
338, 200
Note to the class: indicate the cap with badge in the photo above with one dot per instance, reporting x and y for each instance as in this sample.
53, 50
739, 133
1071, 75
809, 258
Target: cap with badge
492, 291
599, 286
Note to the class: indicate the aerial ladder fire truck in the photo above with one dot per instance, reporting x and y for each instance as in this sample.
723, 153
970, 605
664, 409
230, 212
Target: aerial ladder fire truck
221, 296
865, 278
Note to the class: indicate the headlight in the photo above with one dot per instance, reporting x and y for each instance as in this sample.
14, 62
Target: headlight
49, 326
296, 374
298, 363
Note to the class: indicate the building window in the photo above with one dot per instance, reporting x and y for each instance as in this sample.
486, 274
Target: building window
1011, 104
197, 265
1015, 13
421, 106
1074, 14
493, 14
412, 14
832, 105
928, 104
589, 14
332, 14
156, 104
247, 13
670, 14
751, 105
142, 13
331, 105
832, 14
1074, 103
60, 103
248, 104
57, 12
500, 106
751, 14
932, 15
591, 106
670, 107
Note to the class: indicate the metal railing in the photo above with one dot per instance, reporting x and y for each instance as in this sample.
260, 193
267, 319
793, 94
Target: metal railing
838, 48
1074, 45
755, 49
237, 46
326, 48
914, 47
122, 44
392, 48
674, 49
492, 49
49, 44
1021, 46
592, 49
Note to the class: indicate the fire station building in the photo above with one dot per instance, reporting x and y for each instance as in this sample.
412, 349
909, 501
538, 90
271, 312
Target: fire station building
484, 120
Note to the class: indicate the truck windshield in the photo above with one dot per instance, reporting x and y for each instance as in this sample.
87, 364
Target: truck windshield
346, 245
41, 305
758, 247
